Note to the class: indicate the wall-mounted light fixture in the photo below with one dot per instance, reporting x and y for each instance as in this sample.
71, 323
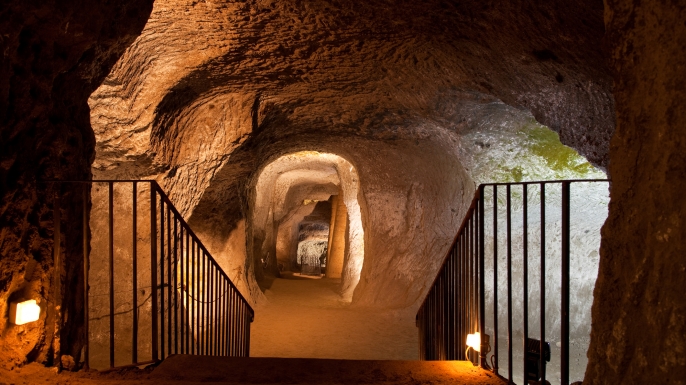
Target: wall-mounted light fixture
480, 344
24, 312
474, 341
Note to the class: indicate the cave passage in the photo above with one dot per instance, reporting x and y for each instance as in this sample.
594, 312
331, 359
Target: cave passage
307, 215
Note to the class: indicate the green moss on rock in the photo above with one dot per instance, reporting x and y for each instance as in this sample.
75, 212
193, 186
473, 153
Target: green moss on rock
544, 142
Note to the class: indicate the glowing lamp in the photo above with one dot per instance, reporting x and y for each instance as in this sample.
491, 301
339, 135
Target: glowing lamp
474, 341
24, 312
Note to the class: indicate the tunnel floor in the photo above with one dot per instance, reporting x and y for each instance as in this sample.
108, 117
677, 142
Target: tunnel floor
180, 369
305, 318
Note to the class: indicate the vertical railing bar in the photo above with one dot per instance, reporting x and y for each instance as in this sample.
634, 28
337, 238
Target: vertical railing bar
542, 287
239, 324
482, 277
251, 316
465, 293
208, 315
244, 319
86, 268
215, 292
468, 281
474, 280
509, 282
432, 326
198, 297
472, 272
170, 302
460, 299
564, 356
246, 331
434, 353
443, 306
451, 314
161, 287
235, 324
111, 267
241, 330
183, 302
206, 302
495, 278
477, 226
222, 330
211, 310
187, 290
220, 313
453, 301
418, 320
193, 296
213, 314
468, 289
446, 309
465, 307
218, 316
525, 269
203, 298
197, 283
225, 326
176, 284
435, 330
224, 319
153, 268
134, 271
229, 335
439, 315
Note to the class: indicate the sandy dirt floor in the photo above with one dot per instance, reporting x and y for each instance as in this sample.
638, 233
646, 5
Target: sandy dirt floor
305, 318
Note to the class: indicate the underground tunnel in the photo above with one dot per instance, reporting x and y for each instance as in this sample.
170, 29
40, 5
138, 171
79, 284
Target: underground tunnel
318, 159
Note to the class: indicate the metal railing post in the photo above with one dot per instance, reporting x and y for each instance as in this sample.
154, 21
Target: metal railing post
134, 271
542, 288
153, 268
482, 276
564, 356
111, 266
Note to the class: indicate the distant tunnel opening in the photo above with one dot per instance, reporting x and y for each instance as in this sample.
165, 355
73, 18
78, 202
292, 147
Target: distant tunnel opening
307, 220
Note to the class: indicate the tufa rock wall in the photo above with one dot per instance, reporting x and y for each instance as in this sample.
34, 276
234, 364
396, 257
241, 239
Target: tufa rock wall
639, 313
55, 54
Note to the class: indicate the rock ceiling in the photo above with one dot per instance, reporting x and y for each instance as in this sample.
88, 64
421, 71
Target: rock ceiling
206, 75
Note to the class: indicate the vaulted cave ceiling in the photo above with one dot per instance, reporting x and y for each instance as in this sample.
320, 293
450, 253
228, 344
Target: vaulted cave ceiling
212, 92
205, 76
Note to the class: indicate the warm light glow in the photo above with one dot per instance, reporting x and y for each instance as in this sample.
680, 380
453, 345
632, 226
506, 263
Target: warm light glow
24, 312
474, 341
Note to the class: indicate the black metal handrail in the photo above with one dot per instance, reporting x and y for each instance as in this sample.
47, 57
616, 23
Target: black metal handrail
455, 304
194, 307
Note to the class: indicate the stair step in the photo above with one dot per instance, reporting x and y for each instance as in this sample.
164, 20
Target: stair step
260, 370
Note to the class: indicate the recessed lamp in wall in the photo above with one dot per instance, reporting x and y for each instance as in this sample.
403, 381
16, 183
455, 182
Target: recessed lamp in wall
24, 312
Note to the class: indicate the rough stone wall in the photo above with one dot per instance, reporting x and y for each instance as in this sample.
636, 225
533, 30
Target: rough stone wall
54, 55
639, 313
